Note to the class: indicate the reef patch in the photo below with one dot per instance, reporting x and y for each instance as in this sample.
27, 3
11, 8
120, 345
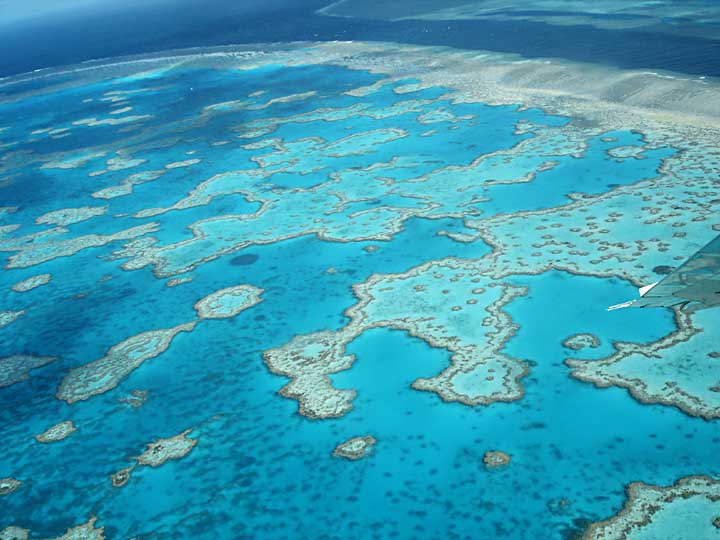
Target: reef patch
228, 302
687, 510
16, 368
9, 316
355, 448
104, 374
58, 432
32, 283
8, 486
578, 342
157, 453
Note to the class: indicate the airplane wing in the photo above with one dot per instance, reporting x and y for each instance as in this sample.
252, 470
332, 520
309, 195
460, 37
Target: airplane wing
696, 281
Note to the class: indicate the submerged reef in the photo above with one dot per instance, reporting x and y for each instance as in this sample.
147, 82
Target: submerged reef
162, 450
32, 283
14, 533
8, 317
8, 485
70, 216
228, 302
72, 161
136, 399
495, 458
104, 374
577, 342
58, 432
31, 253
156, 454
127, 185
17, 368
687, 510
680, 369
355, 448
174, 282
86, 531
440, 303
184, 163
122, 477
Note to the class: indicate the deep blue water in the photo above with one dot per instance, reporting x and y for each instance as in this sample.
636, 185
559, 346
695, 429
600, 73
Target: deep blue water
89, 35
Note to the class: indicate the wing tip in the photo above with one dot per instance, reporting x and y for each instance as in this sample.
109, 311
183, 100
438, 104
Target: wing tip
621, 306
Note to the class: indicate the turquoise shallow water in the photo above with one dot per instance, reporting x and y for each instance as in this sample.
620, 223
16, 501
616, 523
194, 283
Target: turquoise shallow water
260, 470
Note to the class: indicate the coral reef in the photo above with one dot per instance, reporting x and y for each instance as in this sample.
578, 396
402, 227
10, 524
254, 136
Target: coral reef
104, 374
16, 368
14, 533
58, 432
495, 458
162, 450
174, 282
70, 216
577, 342
31, 254
427, 303
8, 317
86, 531
679, 370
157, 453
686, 510
32, 283
136, 399
228, 302
8, 485
355, 448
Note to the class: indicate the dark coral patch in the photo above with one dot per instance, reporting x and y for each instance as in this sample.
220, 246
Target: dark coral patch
663, 270
244, 260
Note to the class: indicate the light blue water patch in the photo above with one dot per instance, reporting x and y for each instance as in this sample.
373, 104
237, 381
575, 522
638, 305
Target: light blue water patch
594, 173
391, 200
587, 298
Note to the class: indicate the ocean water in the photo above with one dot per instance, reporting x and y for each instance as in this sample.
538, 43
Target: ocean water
295, 209
655, 43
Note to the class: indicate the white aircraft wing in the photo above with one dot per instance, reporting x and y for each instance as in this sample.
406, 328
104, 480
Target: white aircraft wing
696, 282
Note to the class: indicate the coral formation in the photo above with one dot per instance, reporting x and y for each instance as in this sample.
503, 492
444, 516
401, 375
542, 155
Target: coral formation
425, 302
157, 453
16, 368
355, 448
686, 510
577, 342
32, 283
86, 531
136, 399
228, 302
8, 485
14, 533
495, 458
162, 450
8, 317
70, 216
58, 432
104, 374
